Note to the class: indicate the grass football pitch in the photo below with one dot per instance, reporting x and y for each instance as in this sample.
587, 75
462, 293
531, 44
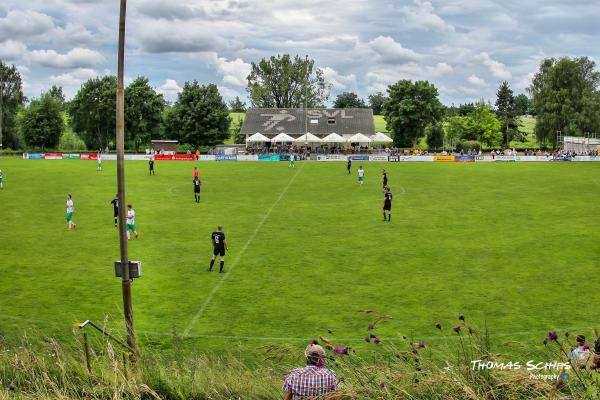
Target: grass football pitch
514, 244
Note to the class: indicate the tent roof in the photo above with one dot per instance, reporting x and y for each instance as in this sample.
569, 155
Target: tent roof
333, 138
308, 137
282, 137
359, 138
381, 138
258, 137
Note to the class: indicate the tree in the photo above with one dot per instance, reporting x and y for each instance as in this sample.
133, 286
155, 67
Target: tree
283, 82
92, 111
11, 98
56, 92
238, 138
409, 109
455, 129
435, 136
376, 102
199, 116
565, 97
42, 122
483, 126
506, 113
348, 100
143, 113
237, 105
522, 104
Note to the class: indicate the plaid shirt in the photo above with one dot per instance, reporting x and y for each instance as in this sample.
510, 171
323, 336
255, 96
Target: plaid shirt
310, 381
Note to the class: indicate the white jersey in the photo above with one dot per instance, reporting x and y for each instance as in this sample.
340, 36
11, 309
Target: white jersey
70, 205
292, 158
99, 159
361, 173
131, 217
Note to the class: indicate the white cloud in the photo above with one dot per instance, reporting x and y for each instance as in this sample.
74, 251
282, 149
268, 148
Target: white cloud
477, 81
12, 50
75, 58
337, 80
227, 92
422, 16
497, 69
392, 52
233, 72
18, 24
73, 78
170, 88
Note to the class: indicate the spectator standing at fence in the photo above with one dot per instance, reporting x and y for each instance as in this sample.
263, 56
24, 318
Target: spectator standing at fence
312, 381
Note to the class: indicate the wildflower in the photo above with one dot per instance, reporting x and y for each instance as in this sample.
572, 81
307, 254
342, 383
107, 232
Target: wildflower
371, 327
457, 329
552, 336
594, 366
372, 336
586, 347
461, 318
421, 345
567, 334
581, 366
377, 340
367, 339
382, 385
340, 350
545, 341
438, 326
414, 351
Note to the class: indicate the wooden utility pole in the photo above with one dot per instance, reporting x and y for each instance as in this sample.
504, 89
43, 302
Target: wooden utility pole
125, 280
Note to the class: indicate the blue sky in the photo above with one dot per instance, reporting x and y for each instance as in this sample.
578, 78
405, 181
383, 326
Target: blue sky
465, 47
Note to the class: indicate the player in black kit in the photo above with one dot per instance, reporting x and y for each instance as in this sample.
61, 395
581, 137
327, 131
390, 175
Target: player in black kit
219, 247
387, 204
197, 184
115, 203
151, 166
349, 165
384, 179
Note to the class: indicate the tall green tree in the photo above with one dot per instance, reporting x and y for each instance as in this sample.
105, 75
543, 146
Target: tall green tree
237, 105
455, 129
435, 136
482, 125
522, 104
376, 102
42, 123
92, 111
199, 116
283, 82
507, 113
143, 113
236, 129
348, 100
56, 92
565, 97
11, 98
409, 109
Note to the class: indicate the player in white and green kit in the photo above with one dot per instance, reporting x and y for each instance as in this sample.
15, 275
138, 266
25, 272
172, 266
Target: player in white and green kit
70, 211
130, 226
1, 180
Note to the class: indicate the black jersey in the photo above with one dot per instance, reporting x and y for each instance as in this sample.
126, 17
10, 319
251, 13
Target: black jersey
115, 204
197, 185
349, 164
385, 178
388, 197
218, 239
151, 164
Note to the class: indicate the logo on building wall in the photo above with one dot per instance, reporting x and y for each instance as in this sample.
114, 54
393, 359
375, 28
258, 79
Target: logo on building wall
276, 118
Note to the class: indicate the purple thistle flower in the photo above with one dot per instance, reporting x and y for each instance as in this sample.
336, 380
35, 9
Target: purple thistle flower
457, 329
421, 345
372, 336
414, 351
438, 326
340, 350
382, 385
461, 317
371, 327
594, 366
368, 339
377, 340
586, 347
552, 336
581, 366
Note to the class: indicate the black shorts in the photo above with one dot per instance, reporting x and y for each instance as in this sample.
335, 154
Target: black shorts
116, 213
196, 190
219, 251
387, 207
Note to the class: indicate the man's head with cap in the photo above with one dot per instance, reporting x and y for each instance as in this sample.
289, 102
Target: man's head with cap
315, 354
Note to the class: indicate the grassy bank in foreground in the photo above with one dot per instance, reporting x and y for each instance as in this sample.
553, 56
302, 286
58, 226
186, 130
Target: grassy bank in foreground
410, 370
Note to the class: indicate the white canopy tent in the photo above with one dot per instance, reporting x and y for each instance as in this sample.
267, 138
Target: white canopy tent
282, 138
381, 138
258, 138
359, 138
308, 138
333, 138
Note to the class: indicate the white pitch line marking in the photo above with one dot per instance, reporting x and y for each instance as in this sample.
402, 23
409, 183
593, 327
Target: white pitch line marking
238, 257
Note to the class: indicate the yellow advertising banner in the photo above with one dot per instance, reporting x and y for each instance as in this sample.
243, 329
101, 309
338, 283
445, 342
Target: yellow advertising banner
443, 158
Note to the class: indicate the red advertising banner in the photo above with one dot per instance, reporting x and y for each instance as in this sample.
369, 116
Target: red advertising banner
178, 157
53, 156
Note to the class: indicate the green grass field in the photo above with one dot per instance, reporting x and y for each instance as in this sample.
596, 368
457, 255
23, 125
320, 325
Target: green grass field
515, 245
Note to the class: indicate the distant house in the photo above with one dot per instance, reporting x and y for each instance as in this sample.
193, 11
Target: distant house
166, 146
320, 122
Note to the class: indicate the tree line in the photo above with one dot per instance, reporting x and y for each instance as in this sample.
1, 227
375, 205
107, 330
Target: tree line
563, 96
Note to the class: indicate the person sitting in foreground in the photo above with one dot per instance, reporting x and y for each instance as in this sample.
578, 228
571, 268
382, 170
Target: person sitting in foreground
313, 381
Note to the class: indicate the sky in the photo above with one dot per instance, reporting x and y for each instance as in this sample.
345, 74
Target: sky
465, 47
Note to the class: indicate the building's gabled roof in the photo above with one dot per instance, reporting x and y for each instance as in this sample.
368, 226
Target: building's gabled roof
321, 122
